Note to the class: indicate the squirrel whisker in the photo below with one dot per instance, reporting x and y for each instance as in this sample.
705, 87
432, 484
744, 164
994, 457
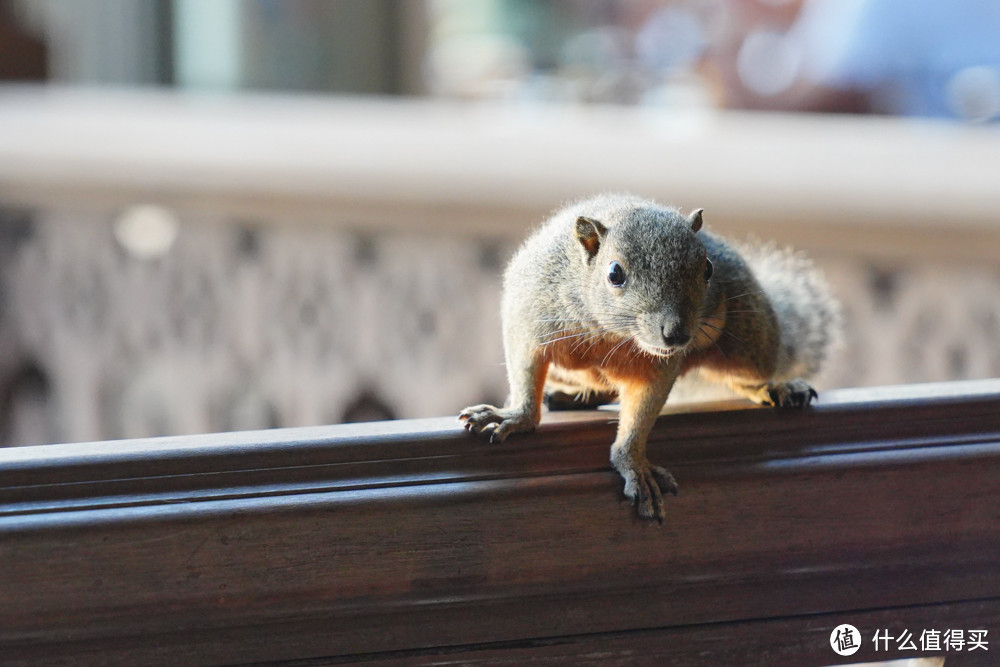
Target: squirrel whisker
715, 342
616, 347
724, 332
759, 291
561, 338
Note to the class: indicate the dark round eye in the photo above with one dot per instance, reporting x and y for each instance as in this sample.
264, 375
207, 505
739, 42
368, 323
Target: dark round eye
616, 275
709, 270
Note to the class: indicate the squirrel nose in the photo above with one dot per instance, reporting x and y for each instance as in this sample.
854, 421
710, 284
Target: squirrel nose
676, 337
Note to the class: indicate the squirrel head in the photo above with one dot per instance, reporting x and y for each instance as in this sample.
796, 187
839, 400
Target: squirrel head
647, 274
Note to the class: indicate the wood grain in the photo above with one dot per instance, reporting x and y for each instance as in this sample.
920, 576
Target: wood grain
412, 543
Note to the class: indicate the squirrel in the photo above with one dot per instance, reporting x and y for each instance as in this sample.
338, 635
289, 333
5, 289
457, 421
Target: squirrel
618, 296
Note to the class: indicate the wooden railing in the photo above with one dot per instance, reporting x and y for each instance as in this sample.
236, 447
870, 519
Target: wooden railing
412, 542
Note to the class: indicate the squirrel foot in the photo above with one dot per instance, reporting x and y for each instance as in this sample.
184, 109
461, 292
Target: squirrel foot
645, 485
794, 393
790, 394
497, 422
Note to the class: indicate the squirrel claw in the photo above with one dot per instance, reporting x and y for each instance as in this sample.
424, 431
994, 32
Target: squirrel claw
645, 485
665, 480
495, 422
794, 393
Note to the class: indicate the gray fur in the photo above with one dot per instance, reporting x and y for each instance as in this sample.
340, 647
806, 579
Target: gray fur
762, 322
809, 318
550, 283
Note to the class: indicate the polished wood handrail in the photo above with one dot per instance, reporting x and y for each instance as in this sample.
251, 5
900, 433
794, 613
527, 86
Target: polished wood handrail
402, 541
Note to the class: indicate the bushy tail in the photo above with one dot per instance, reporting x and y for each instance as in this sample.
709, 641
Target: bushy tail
808, 314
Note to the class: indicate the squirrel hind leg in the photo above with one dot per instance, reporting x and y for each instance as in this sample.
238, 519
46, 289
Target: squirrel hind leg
576, 390
795, 393
581, 400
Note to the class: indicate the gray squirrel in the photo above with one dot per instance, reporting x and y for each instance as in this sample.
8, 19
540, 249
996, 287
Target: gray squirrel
618, 296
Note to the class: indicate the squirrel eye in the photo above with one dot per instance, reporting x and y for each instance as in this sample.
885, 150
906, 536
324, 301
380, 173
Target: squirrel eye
616, 274
709, 270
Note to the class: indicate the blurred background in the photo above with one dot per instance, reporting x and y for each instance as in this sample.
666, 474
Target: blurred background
234, 214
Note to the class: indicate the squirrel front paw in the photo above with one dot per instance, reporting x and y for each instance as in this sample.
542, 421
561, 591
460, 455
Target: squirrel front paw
498, 423
645, 485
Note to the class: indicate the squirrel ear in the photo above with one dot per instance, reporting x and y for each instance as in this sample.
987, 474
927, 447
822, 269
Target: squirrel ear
590, 232
694, 219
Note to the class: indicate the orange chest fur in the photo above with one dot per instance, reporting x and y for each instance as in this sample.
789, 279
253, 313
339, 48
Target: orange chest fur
621, 361
617, 359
